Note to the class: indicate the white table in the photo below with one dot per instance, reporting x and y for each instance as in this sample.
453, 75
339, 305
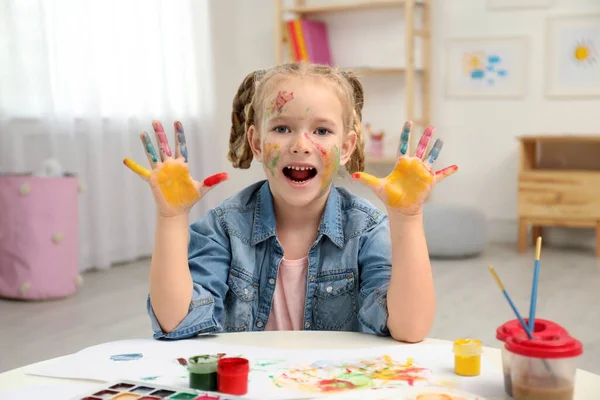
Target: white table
18, 385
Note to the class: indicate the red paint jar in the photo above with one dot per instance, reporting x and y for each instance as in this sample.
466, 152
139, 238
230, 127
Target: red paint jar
541, 329
232, 375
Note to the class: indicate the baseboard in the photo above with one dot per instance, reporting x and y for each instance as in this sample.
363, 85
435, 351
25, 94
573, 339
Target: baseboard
505, 231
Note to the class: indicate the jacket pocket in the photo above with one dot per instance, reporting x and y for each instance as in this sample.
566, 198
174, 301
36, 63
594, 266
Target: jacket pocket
335, 301
239, 301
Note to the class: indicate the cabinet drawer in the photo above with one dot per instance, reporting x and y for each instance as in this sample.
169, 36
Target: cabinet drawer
559, 195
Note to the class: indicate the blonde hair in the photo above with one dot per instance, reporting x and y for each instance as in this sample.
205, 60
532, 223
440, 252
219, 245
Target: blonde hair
250, 97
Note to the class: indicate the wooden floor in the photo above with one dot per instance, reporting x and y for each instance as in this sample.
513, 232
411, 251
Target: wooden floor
111, 305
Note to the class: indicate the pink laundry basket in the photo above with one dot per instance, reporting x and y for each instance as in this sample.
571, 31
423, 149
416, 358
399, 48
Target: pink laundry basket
38, 237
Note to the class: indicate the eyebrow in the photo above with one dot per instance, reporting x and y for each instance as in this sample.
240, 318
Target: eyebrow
281, 119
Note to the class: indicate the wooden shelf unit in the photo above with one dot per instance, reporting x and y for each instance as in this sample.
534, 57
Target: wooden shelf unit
412, 75
559, 185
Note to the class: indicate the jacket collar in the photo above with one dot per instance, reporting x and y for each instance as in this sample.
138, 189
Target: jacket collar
264, 217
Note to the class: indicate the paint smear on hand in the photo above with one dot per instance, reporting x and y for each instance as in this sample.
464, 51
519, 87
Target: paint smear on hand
424, 142
176, 185
331, 162
215, 179
137, 168
150, 147
181, 140
272, 155
407, 185
162, 138
126, 357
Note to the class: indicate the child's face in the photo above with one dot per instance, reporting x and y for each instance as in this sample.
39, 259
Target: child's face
301, 142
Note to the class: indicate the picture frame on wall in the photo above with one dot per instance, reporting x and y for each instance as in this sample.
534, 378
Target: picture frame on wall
573, 56
515, 4
492, 67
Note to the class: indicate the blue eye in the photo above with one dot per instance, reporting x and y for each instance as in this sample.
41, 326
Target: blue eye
322, 131
281, 129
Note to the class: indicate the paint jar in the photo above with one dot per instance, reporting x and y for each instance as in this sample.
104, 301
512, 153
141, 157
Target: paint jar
203, 372
541, 329
233, 375
467, 357
543, 369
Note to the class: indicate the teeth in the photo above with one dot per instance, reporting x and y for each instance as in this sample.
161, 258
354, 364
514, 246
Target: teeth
301, 168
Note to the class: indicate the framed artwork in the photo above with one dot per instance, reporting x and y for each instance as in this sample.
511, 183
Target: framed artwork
573, 56
512, 4
486, 67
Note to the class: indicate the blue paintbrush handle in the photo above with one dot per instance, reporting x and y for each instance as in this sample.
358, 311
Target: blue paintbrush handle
534, 289
512, 305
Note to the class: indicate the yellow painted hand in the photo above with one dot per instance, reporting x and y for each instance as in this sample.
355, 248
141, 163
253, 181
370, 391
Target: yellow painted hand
411, 181
174, 190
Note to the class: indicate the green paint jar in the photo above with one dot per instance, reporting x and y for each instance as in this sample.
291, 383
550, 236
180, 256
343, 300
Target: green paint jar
203, 372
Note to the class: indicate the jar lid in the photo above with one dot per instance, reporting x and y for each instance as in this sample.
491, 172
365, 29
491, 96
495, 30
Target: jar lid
555, 347
541, 328
467, 347
204, 359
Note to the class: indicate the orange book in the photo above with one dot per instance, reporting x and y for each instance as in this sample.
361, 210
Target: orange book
293, 41
300, 40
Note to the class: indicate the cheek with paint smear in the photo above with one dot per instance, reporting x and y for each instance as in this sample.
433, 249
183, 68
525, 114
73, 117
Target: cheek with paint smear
272, 153
331, 162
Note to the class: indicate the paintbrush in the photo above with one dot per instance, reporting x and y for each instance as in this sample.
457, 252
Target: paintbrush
523, 325
534, 286
510, 302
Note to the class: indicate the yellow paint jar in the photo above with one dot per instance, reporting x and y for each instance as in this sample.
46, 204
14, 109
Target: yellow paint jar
467, 357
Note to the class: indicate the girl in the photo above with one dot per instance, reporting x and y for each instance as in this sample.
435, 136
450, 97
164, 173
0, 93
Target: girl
294, 251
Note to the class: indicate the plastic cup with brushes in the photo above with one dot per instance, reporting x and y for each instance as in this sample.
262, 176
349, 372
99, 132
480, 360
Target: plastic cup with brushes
539, 359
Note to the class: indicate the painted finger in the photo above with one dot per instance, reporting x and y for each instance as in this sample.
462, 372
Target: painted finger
150, 149
424, 142
161, 138
137, 168
434, 152
444, 173
404, 138
212, 181
366, 179
180, 144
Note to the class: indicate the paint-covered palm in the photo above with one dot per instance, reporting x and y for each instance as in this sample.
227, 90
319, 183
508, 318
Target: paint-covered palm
411, 181
173, 188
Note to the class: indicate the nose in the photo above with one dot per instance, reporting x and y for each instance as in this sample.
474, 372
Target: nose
301, 145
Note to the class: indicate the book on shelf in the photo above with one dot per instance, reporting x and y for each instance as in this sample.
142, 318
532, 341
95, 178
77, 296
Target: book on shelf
308, 41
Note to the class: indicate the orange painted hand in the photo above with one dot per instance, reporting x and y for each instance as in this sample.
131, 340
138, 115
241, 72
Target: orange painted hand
411, 181
174, 190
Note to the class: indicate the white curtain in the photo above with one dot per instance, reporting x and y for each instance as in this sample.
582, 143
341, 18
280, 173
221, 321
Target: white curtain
79, 79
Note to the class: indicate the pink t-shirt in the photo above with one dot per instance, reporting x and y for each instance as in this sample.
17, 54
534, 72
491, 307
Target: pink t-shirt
287, 312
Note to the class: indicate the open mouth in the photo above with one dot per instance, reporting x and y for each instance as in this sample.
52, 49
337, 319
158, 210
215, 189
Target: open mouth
299, 174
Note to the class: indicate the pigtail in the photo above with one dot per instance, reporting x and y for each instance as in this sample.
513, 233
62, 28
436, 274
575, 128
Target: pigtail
357, 159
242, 116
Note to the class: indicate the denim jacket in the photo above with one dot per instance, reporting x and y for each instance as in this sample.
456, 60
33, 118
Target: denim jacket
234, 257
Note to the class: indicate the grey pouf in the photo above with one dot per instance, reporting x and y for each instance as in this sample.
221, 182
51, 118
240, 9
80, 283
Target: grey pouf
454, 231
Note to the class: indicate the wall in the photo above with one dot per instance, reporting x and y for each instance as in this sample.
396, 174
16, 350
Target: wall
479, 135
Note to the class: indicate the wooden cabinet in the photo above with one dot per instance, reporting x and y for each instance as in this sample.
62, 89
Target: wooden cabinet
559, 185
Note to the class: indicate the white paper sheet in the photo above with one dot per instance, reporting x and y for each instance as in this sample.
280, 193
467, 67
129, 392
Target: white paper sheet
365, 368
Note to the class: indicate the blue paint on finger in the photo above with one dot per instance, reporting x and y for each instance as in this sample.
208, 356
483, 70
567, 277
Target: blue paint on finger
150, 147
181, 140
435, 151
403, 148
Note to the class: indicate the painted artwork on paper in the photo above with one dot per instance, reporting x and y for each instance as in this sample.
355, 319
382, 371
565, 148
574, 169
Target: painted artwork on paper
573, 51
493, 67
338, 376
